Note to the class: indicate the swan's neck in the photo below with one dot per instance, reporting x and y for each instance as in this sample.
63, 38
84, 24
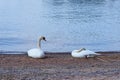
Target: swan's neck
81, 49
39, 43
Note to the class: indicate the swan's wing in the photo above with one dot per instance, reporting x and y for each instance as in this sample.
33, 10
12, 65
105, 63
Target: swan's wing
75, 53
90, 53
36, 53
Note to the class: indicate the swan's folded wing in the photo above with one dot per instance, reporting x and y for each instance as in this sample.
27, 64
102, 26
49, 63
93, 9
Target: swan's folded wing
93, 55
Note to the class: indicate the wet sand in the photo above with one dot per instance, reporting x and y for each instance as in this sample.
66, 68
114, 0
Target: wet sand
59, 67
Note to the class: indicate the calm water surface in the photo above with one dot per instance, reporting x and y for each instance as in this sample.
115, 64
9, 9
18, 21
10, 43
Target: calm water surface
67, 24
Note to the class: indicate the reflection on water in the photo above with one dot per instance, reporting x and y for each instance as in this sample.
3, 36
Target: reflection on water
67, 24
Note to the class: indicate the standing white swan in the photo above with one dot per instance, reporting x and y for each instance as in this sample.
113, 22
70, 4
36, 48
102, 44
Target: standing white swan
37, 52
83, 53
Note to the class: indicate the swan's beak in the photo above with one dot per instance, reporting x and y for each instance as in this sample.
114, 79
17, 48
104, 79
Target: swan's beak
45, 40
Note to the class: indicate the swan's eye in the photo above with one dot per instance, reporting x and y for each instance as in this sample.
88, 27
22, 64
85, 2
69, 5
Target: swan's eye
43, 38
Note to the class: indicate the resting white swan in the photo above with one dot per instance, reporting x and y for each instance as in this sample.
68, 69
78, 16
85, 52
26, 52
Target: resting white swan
83, 53
37, 52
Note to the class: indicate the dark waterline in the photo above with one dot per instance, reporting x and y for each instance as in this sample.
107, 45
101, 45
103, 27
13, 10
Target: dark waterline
67, 24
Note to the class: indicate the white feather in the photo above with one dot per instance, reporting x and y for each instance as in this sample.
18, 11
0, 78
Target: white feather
83, 53
36, 53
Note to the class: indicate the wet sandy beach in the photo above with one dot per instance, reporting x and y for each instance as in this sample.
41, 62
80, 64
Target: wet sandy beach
59, 67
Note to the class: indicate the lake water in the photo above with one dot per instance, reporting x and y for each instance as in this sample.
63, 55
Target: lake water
66, 24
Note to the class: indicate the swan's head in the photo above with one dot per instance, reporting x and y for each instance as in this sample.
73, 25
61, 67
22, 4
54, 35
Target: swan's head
42, 38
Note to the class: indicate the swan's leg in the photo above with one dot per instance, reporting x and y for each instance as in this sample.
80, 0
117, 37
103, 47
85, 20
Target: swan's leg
86, 56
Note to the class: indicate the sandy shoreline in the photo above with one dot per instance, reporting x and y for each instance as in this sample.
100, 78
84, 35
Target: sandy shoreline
59, 67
